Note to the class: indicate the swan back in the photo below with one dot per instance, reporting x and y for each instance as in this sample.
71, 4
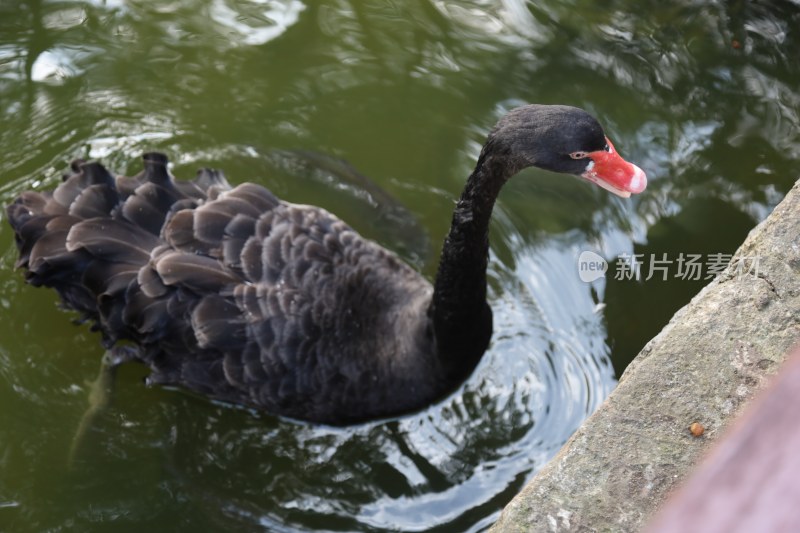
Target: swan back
233, 293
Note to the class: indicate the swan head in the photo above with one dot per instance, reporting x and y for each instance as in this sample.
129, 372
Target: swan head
567, 140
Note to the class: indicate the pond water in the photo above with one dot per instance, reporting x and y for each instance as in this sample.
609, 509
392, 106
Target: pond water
308, 98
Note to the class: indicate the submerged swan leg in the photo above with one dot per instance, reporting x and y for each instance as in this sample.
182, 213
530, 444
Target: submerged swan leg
101, 393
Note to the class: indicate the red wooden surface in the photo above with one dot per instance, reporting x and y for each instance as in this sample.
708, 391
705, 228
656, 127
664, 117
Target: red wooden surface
750, 482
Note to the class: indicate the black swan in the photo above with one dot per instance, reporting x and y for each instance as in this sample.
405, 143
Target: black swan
239, 296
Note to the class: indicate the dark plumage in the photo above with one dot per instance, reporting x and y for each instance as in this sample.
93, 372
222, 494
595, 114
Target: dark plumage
242, 297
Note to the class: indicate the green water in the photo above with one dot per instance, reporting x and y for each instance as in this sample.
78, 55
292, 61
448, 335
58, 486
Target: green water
306, 97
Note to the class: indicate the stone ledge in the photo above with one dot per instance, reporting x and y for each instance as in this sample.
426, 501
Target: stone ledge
718, 350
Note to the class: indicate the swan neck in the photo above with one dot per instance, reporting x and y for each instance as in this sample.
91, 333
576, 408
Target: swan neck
461, 316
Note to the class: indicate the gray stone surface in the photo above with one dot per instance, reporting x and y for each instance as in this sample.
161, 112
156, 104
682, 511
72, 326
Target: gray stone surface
616, 470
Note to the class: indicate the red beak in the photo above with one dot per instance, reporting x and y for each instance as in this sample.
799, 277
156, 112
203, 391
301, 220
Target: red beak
608, 170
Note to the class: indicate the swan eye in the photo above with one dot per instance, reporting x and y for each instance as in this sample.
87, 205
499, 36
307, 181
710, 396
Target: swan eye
579, 155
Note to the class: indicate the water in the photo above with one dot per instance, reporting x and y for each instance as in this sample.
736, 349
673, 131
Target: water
305, 98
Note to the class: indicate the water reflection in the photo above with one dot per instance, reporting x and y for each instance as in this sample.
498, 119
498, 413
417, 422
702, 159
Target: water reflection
308, 98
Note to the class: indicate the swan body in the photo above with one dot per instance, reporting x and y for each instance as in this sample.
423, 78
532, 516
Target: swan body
239, 296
